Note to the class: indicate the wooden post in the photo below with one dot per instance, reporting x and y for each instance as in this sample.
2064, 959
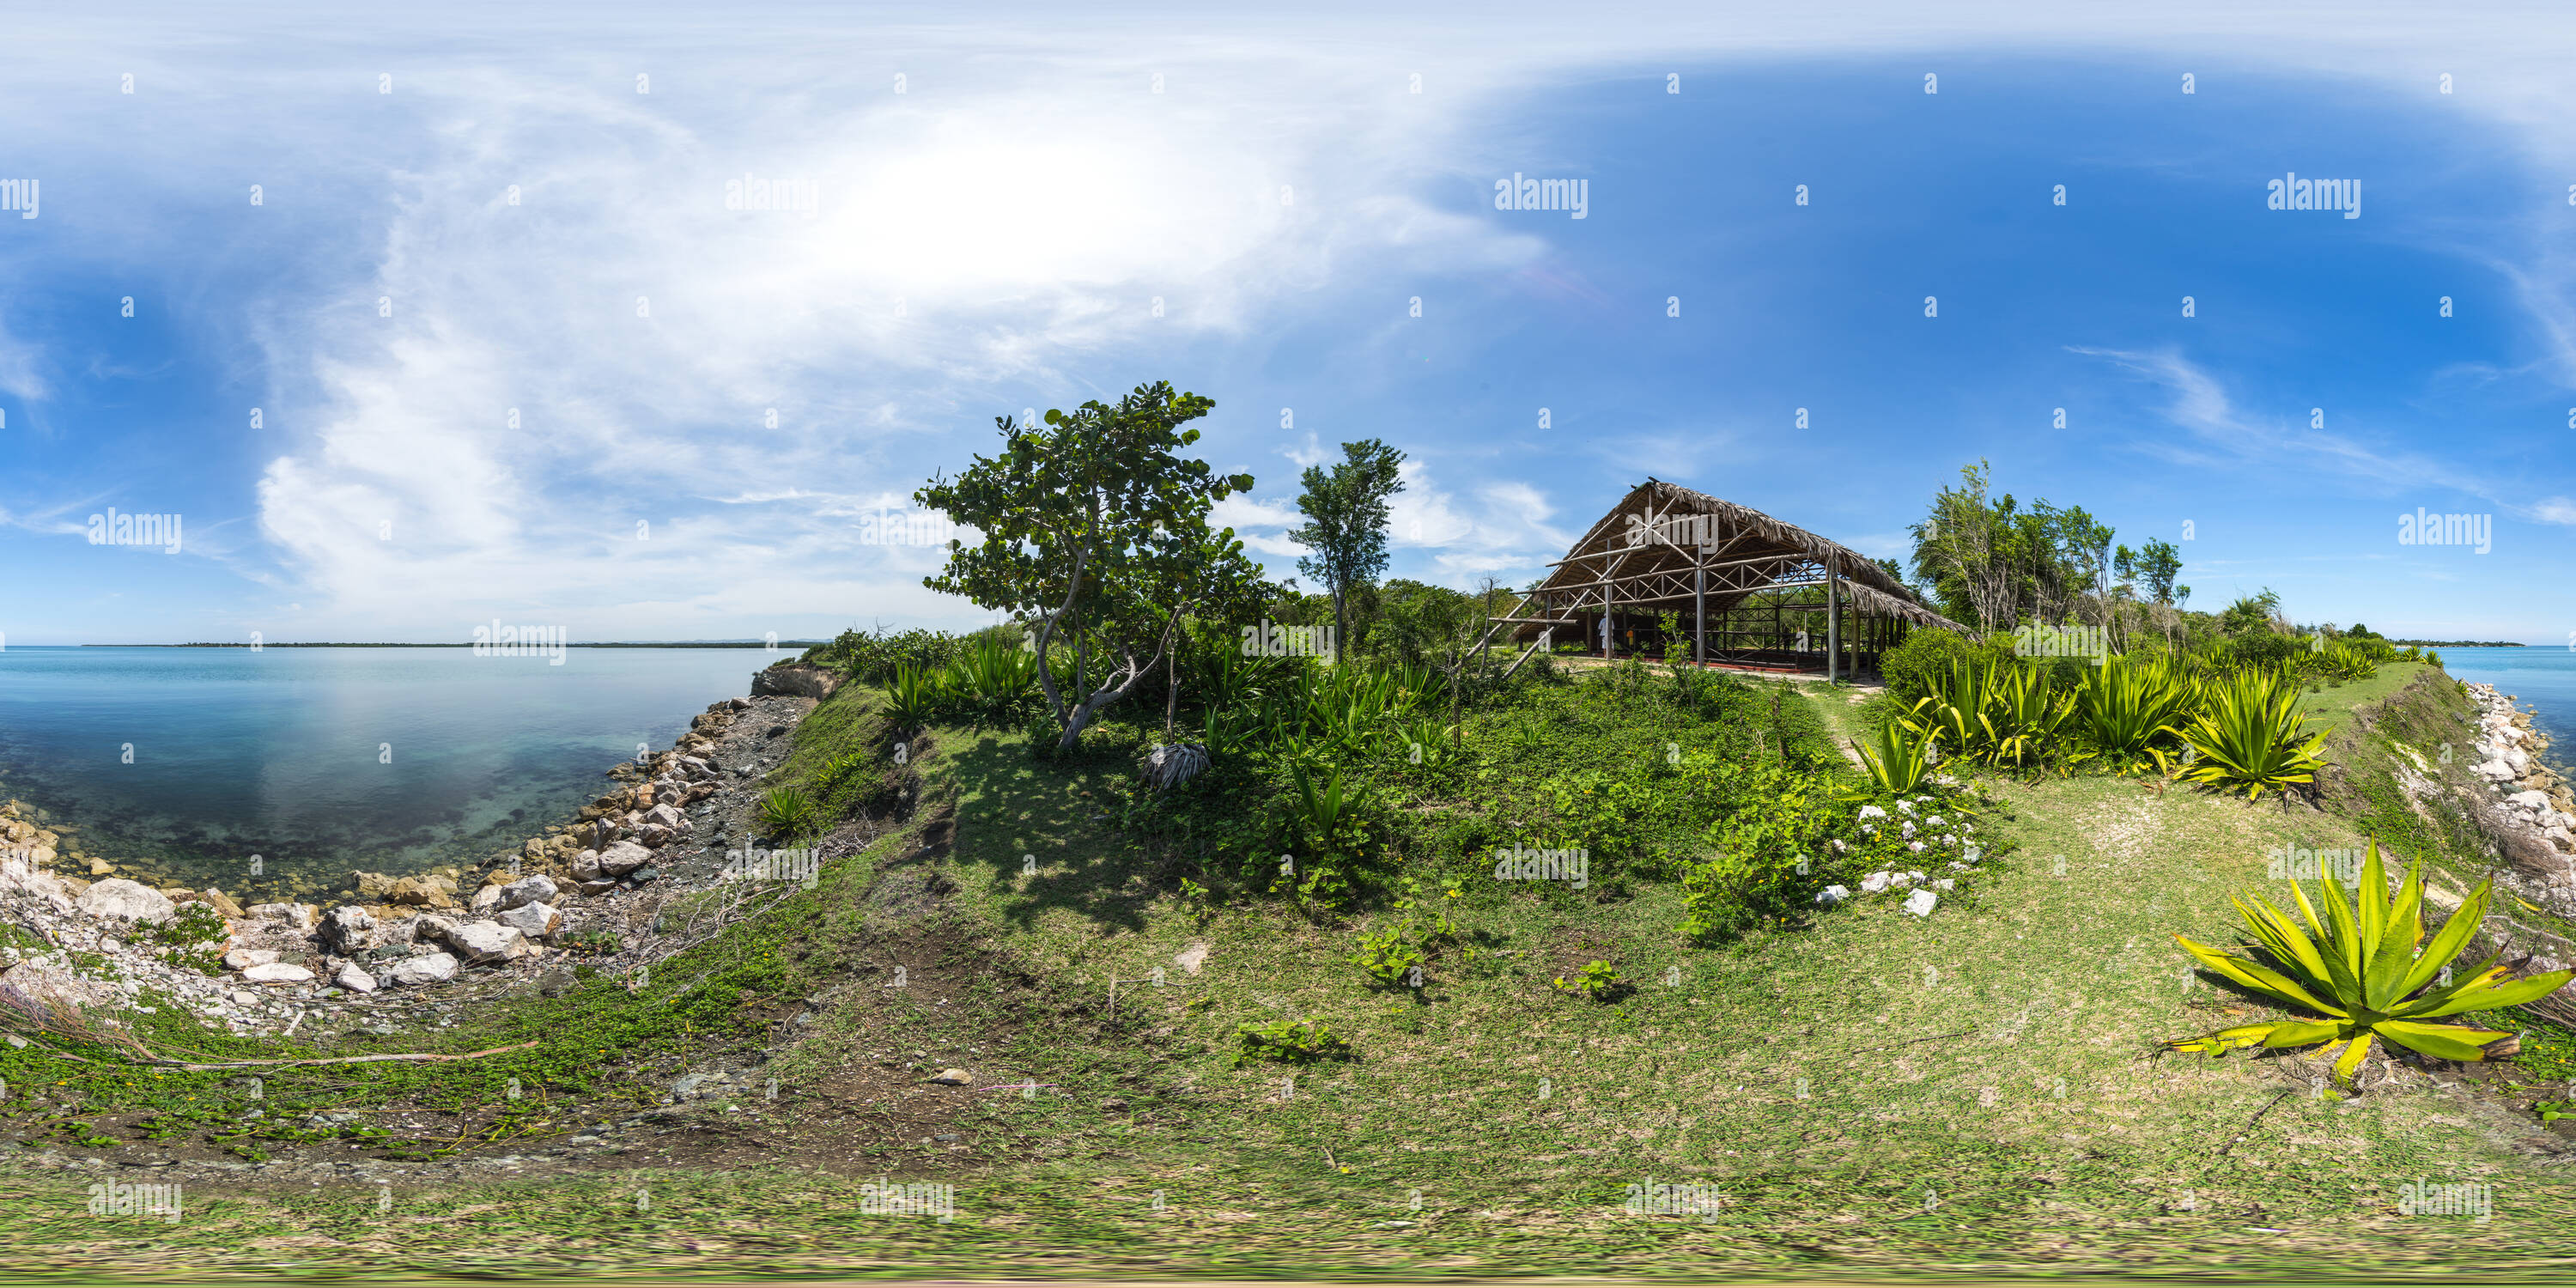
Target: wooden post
1833, 615
1699, 604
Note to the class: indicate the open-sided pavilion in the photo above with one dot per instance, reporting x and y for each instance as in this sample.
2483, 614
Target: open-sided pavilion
1733, 575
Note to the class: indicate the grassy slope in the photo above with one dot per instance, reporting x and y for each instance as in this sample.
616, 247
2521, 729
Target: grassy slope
1979, 1089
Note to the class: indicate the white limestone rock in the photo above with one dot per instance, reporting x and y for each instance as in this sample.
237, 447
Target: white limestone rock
485, 942
527, 890
535, 920
428, 968
623, 857
126, 900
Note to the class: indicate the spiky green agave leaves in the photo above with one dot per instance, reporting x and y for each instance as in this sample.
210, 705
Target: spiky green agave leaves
2359, 966
1898, 757
2251, 735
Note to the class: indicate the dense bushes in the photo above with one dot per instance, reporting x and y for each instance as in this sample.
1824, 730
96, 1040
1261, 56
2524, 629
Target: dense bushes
1332, 786
1925, 654
874, 659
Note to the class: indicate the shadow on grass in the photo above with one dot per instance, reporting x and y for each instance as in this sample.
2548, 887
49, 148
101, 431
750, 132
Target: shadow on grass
1038, 825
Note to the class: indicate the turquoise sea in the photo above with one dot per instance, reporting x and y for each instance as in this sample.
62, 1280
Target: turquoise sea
189, 761
2543, 678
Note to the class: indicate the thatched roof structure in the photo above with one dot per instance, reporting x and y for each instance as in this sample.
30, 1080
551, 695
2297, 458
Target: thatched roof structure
1647, 554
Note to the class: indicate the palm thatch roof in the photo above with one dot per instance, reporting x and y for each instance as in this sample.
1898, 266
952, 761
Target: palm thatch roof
1641, 557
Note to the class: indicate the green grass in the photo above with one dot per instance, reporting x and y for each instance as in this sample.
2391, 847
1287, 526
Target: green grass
2331, 707
1872, 1092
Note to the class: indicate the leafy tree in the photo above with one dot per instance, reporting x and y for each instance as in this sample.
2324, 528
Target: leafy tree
1094, 524
2158, 564
1346, 522
2251, 614
1987, 559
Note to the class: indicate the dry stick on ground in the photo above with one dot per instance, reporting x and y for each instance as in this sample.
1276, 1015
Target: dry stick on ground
417, 1056
724, 919
2248, 1128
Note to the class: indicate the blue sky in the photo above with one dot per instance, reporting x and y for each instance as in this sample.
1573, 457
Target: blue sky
995, 236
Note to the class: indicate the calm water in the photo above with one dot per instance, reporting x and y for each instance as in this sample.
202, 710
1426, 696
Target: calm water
324, 760
2543, 678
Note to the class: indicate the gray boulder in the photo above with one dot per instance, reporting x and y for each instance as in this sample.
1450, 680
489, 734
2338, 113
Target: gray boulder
428, 968
354, 979
428, 928
349, 930
525, 891
485, 942
793, 680
623, 857
126, 900
535, 920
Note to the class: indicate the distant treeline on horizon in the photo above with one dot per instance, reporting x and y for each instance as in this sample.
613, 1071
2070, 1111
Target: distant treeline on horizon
783, 644
2438, 643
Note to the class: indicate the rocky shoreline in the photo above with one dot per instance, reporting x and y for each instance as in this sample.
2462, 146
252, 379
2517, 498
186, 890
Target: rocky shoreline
589, 892
2533, 818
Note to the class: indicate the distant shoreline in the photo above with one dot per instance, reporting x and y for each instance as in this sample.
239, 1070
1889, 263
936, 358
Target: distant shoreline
784, 644
2460, 643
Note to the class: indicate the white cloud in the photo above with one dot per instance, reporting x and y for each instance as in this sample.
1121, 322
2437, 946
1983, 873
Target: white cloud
21, 366
643, 333
1243, 513
2225, 434
1004, 225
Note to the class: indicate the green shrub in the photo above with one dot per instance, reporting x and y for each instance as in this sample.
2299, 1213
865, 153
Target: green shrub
1926, 653
1752, 875
1596, 980
873, 659
787, 812
1387, 958
192, 937
1287, 1042
2264, 649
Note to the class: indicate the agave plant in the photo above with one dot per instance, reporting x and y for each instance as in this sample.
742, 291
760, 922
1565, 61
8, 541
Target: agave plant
1228, 730
994, 674
1429, 742
2123, 705
914, 695
787, 812
1996, 712
2251, 735
1935, 721
1173, 764
2024, 718
2345, 662
2360, 966
1898, 757
1323, 809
